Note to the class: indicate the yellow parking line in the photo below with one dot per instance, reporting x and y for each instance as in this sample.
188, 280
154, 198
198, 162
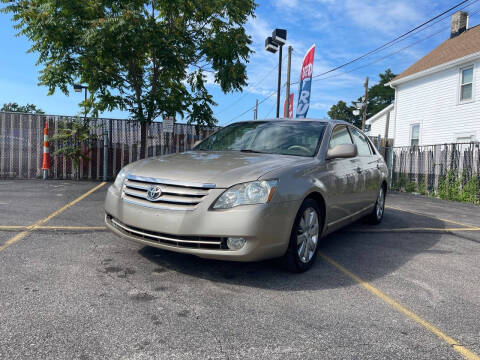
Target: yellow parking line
418, 229
71, 228
12, 227
44, 227
39, 223
466, 353
432, 217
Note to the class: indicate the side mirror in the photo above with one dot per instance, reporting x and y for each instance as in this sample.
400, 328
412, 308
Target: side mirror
342, 151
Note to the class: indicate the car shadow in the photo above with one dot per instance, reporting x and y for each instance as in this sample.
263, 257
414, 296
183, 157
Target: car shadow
363, 249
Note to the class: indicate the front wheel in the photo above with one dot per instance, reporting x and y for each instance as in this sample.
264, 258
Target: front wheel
376, 215
305, 236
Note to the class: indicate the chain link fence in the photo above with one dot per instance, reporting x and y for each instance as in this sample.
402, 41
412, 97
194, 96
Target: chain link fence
21, 145
451, 171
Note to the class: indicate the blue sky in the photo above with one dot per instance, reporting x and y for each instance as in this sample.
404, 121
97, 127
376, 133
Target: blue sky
341, 30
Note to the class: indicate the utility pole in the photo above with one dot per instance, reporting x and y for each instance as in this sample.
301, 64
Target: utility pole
289, 65
365, 98
387, 125
255, 111
279, 79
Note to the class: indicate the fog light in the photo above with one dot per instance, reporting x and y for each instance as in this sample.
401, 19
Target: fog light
235, 243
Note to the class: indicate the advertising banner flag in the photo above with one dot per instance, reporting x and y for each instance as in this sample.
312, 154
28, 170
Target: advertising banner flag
305, 83
290, 107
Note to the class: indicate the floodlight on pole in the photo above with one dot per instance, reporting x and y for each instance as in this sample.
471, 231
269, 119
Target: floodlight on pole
79, 88
270, 45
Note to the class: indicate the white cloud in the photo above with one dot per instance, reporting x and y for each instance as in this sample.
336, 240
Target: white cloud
385, 15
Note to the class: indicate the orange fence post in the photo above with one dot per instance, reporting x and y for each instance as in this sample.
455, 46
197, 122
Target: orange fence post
46, 152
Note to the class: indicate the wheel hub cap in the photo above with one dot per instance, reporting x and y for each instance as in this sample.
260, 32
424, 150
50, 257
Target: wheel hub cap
380, 203
307, 235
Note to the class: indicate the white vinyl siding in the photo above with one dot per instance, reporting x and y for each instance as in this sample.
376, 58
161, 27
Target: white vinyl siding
377, 125
433, 102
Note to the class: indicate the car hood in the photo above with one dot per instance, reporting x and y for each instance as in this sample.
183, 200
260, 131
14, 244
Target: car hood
222, 168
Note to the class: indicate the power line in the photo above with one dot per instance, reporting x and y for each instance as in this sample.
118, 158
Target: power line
392, 53
253, 107
274, 104
382, 47
391, 41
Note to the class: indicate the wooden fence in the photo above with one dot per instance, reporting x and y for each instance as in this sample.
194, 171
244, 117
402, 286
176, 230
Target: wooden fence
21, 145
426, 166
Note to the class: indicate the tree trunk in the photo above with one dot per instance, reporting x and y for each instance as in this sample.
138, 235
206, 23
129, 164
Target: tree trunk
143, 140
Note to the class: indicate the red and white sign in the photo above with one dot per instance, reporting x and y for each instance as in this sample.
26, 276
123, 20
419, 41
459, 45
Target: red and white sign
290, 107
305, 83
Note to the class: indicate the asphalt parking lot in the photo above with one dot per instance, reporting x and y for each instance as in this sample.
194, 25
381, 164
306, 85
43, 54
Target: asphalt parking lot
406, 289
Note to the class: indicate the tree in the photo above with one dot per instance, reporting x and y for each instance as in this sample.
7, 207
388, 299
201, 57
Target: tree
29, 108
379, 95
341, 111
148, 57
73, 140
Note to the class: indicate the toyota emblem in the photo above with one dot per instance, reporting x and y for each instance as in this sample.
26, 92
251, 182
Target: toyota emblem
154, 192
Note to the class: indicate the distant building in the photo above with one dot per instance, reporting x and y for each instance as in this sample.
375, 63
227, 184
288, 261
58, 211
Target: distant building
376, 125
437, 98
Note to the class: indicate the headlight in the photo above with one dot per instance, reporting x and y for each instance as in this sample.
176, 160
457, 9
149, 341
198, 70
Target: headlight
119, 180
255, 192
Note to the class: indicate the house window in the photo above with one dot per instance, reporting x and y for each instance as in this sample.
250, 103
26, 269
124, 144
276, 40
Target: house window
415, 135
466, 84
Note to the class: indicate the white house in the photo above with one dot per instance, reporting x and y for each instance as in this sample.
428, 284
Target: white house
437, 99
377, 124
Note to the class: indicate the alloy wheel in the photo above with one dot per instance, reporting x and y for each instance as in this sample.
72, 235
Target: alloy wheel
307, 235
380, 203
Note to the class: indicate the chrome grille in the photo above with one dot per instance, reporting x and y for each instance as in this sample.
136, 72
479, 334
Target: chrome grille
175, 195
194, 242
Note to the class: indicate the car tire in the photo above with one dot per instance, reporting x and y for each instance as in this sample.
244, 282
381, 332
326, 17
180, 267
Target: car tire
376, 216
305, 237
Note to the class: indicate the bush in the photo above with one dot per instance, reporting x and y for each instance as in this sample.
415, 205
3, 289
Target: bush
411, 187
422, 188
471, 191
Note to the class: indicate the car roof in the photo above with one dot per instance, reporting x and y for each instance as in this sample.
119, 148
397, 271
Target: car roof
329, 121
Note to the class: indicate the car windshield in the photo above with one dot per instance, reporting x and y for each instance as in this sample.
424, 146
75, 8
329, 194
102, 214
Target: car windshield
299, 138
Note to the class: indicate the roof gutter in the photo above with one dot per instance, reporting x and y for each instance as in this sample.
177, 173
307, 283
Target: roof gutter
435, 69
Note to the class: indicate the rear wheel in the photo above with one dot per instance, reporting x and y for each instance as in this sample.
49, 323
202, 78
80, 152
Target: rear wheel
305, 237
376, 216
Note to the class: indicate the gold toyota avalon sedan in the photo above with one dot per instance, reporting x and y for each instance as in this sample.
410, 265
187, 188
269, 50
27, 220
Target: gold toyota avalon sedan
251, 191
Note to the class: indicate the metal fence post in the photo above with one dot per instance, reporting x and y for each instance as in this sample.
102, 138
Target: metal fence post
105, 152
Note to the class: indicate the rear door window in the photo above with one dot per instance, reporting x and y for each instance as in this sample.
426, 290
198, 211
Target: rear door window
361, 142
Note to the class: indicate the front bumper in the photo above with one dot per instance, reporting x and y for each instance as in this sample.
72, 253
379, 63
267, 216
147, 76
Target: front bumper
203, 232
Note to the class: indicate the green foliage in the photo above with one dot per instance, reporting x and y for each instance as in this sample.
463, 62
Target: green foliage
341, 111
73, 140
29, 108
449, 187
471, 191
411, 187
379, 97
148, 57
422, 188
461, 188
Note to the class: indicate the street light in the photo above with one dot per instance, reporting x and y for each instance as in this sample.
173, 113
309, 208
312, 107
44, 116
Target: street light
79, 88
272, 44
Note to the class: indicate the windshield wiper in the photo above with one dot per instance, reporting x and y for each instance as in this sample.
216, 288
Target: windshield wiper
251, 151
